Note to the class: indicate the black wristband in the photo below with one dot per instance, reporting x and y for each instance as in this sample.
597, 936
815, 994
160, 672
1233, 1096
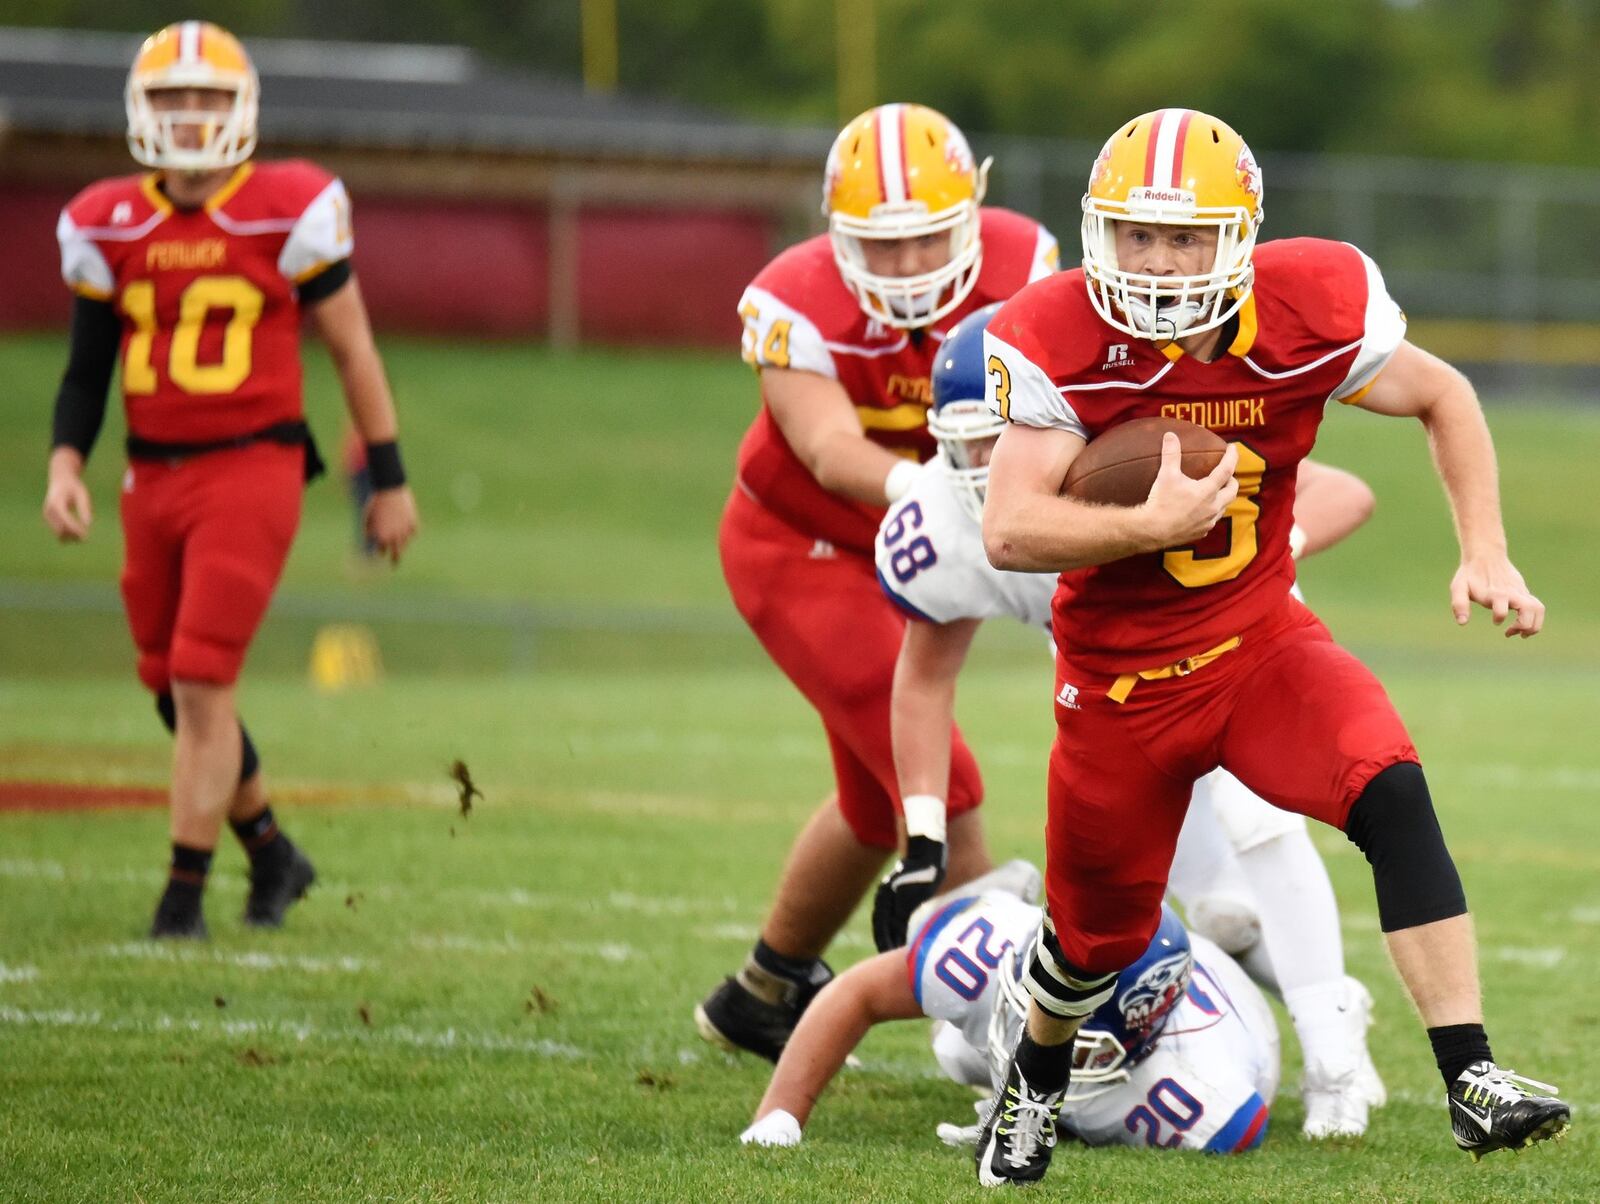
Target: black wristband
384, 469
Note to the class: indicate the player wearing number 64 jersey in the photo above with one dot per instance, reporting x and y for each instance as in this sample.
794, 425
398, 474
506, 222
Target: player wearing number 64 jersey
197, 274
1246, 873
1184, 1055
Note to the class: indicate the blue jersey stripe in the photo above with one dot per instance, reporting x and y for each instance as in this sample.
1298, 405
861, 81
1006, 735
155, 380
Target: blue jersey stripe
901, 602
917, 955
1251, 1114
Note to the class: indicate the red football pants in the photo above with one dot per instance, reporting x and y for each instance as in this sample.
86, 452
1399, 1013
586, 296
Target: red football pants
821, 615
205, 541
1294, 716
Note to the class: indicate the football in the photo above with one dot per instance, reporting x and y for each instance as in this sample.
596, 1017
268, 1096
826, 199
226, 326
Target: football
1118, 467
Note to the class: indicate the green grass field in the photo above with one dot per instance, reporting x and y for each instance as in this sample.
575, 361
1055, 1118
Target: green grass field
496, 1007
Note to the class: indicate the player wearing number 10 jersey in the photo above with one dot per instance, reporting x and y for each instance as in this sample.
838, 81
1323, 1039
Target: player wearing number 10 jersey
198, 274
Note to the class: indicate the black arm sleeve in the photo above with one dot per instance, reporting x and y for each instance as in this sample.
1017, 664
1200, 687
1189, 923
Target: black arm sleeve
81, 400
325, 283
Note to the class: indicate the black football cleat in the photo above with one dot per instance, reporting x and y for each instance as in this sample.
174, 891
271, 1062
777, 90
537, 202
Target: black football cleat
1019, 1133
180, 921
755, 1011
1490, 1110
274, 886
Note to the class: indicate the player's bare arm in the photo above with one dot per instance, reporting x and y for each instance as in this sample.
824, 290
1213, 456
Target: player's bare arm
922, 710
868, 993
1029, 527
819, 421
1415, 384
924, 703
1330, 504
341, 321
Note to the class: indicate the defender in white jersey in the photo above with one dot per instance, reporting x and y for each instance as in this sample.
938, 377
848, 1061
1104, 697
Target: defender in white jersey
1245, 872
1183, 1056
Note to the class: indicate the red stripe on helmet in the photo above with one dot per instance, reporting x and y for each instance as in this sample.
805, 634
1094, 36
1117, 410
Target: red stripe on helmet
877, 133
905, 155
1177, 149
1150, 150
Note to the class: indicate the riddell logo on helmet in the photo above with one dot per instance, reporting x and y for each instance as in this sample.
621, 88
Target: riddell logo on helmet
1161, 196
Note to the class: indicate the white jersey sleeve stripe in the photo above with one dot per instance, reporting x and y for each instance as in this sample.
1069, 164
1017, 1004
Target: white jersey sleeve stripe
777, 335
1385, 328
320, 236
1018, 390
83, 266
1046, 256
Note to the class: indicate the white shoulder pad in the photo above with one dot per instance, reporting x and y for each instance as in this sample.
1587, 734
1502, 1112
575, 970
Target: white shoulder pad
777, 335
1046, 256
1384, 330
1018, 390
320, 236
954, 959
83, 266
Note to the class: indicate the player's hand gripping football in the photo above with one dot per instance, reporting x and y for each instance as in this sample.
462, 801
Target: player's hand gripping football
67, 511
915, 879
391, 520
1181, 509
1494, 583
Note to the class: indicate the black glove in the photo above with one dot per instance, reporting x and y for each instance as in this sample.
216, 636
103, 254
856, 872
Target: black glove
915, 879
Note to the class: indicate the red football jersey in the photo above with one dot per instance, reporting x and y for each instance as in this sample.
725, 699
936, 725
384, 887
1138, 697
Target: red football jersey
211, 318
1319, 326
798, 314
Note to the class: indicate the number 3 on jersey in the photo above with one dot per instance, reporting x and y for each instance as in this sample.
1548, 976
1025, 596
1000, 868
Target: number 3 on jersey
1193, 571
235, 294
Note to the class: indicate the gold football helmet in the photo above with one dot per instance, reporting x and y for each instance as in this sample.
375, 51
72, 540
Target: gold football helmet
1172, 167
903, 171
192, 54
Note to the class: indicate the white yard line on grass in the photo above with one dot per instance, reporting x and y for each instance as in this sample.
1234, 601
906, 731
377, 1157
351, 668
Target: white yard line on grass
1540, 959
167, 952
380, 1034
18, 973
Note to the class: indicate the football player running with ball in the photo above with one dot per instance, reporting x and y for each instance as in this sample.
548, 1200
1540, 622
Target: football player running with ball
1247, 874
843, 329
1183, 1056
199, 272
1175, 628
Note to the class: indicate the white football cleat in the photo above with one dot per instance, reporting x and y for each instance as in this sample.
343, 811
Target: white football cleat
1335, 1103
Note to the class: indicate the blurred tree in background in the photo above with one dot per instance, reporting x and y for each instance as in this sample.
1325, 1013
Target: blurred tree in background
1478, 79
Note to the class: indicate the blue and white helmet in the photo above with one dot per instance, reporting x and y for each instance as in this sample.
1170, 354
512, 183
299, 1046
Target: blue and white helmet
1123, 1030
960, 416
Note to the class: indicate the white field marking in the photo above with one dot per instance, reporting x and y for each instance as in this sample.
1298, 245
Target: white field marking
1359, 921
1542, 959
650, 905
1584, 915
151, 951
747, 932
18, 973
508, 945
381, 1034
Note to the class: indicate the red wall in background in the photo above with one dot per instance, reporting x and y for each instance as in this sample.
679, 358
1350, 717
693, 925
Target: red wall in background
462, 267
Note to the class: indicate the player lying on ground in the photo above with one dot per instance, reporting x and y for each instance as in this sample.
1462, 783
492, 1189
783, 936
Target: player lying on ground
843, 329
1184, 1055
1173, 620
200, 272
1246, 873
